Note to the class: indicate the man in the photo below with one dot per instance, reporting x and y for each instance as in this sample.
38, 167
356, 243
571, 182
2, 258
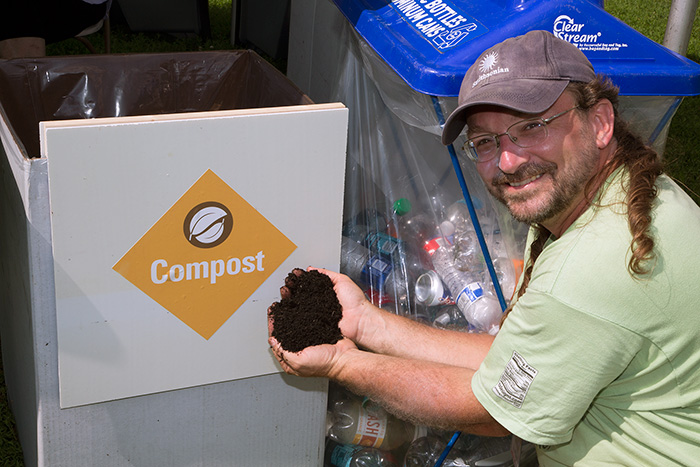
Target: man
598, 359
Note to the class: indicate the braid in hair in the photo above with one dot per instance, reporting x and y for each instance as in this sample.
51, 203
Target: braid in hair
643, 165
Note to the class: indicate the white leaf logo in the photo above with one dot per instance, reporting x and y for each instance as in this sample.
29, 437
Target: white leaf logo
208, 225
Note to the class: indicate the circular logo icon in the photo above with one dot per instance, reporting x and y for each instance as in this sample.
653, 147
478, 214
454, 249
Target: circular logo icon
488, 61
208, 224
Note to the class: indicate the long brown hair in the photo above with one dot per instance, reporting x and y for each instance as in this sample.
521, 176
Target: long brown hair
643, 166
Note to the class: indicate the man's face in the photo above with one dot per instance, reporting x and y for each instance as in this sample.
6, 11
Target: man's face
542, 184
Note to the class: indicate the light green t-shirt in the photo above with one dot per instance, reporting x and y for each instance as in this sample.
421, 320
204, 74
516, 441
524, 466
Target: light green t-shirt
597, 367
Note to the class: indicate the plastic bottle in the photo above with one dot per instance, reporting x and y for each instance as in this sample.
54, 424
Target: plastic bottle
488, 448
506, 275
384, 244
351, 422
458, 214
387, 284
376, 241
467, 251
387, 246
353, 258
381, 275
450, 317
426, 450
366, 268
411, 226
480, 307
351, 455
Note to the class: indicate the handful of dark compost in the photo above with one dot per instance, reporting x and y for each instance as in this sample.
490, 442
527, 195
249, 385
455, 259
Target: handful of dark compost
308, 313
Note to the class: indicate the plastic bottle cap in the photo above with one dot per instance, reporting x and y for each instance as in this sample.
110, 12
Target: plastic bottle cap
402, 206
447, 228
420, 431
432, 245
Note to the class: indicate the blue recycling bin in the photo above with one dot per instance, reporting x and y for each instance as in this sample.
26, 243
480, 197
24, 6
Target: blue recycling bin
431, 43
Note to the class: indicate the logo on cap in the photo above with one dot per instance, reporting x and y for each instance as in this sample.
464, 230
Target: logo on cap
488, 68
488, 61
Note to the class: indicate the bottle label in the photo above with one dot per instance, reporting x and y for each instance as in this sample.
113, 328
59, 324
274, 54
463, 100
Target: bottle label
376, 272
371, 429
471, 292
385, 245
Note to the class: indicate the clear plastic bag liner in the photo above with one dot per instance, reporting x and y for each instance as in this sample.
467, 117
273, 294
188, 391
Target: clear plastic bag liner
402, 195
92, 86
404, 209
650, 117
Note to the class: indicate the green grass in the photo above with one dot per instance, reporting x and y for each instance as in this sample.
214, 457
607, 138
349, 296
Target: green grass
124, 41
682, 149
10, 449
682, 154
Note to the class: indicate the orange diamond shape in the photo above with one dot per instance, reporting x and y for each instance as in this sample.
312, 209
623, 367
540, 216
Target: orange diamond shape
207, 254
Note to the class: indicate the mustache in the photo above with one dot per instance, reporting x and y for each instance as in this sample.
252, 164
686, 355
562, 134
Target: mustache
523, 173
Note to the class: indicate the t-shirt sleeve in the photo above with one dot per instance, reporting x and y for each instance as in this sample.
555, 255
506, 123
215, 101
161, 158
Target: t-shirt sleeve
547, 364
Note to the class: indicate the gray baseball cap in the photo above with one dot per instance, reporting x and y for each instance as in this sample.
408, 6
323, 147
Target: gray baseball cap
527, 73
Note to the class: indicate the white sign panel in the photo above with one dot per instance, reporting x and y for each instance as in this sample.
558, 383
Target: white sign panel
173, 234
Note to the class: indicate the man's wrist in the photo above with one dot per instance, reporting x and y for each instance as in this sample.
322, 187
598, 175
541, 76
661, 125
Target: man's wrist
341, 367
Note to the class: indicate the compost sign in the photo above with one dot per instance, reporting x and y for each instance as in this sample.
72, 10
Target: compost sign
172, 234
206, 255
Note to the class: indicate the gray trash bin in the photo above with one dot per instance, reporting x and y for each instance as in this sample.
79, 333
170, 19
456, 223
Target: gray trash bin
262, 419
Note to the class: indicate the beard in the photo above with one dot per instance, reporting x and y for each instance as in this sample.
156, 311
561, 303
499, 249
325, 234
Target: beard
567, 185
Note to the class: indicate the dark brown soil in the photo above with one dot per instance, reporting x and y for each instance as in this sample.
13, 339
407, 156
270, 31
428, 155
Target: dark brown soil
308, 313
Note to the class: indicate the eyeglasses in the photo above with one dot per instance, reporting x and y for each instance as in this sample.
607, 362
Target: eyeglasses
525, 134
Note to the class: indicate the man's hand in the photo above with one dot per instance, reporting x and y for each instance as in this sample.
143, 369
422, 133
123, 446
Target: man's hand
317, 360
353, 300
320, 360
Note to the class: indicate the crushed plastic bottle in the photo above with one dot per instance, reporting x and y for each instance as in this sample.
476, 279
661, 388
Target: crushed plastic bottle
506, 275
353, 259
414, 228
467, 252
450, 317
426, 450
479, 306
373, 271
